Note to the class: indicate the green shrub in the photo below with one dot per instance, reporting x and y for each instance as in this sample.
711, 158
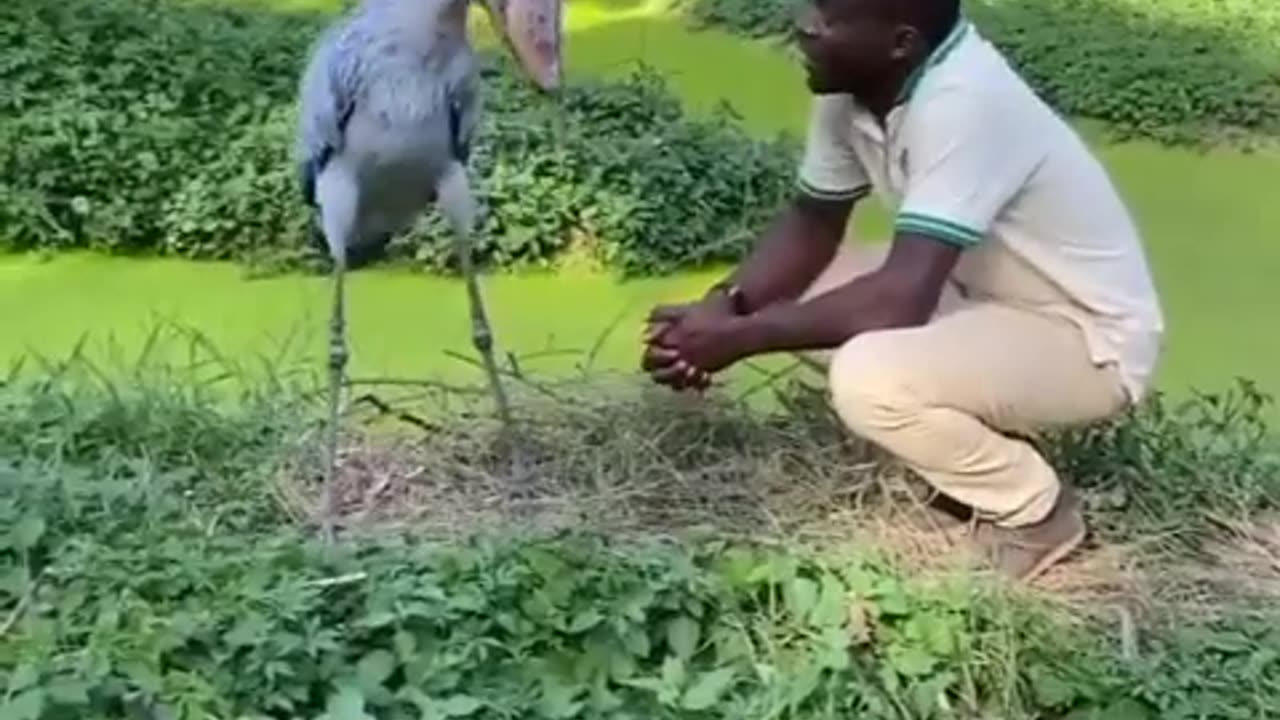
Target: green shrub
1176, 470
161, 126
1179, 71
147, 609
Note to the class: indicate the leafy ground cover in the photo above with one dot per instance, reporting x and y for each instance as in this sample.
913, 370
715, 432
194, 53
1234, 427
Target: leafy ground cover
157, 557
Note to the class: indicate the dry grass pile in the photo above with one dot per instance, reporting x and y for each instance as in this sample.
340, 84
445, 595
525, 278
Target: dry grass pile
617, 457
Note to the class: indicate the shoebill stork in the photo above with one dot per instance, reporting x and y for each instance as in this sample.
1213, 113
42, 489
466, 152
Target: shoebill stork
390, 99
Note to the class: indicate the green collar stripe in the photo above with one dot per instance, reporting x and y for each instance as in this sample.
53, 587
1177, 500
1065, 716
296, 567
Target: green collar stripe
935, 58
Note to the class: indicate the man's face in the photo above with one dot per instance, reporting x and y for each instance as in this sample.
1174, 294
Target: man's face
847, 45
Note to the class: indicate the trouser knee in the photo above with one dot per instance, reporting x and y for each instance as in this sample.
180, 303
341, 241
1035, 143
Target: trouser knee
871, 392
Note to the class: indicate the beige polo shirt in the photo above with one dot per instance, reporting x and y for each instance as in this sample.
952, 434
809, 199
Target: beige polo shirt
971, 156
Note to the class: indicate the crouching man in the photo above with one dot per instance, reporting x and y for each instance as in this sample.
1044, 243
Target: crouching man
1014, 296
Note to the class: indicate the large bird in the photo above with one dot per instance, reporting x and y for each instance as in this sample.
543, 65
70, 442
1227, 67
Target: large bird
389, 104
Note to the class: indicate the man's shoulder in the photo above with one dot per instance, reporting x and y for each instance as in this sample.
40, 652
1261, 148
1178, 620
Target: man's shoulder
977, 77
981, 98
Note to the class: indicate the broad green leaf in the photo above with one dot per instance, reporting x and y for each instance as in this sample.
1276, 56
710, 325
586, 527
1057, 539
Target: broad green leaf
831, 608
406, 645
458, 705
27, 533
144, 676
939, 632
69, 692
347, 704
802, 681
27, 705
706, 690
1125, 709
1050, 690
374, 668
891, 597
559, 700
585, 620
834, 648
912, 661
673, 672
929, 697
376, 620
23, 677
249, 631
683, 634
636, 640
802, 596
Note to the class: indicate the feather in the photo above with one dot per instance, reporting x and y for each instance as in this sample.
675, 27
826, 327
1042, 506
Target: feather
464, 108
390, 100
328, 89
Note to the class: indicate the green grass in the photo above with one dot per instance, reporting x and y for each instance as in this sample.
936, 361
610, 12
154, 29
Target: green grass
156, 560
1208, 219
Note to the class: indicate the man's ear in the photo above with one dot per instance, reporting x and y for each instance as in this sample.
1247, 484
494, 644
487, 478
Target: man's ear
907, 43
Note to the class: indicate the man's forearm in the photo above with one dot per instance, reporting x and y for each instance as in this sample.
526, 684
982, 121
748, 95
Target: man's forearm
791, 254
830, 319
903, 293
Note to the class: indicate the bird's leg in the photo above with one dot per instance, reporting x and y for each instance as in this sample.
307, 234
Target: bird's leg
338, 354
458, 204
481, 332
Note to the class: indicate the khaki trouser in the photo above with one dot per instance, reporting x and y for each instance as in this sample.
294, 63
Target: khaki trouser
939, 396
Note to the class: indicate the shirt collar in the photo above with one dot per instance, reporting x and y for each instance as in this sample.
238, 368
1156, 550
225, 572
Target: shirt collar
939, 54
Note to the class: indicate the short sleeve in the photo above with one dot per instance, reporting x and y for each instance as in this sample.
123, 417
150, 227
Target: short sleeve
967, 156
829, 168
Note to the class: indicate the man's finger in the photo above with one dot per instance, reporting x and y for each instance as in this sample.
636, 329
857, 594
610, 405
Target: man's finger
697, 380
701, 382
680, 375
657, 357
668, 313
676, 374
655, 331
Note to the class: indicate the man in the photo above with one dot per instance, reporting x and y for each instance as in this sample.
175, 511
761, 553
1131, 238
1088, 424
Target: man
1015, 294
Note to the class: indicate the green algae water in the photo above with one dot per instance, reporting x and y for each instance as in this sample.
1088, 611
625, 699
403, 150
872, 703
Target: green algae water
1210, 222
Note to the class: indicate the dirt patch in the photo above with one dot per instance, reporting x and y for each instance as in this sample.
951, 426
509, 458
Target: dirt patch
626, 460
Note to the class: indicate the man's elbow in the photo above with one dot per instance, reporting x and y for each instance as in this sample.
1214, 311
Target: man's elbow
903, 306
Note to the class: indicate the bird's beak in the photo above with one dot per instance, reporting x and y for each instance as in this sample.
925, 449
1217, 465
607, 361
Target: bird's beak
533, 31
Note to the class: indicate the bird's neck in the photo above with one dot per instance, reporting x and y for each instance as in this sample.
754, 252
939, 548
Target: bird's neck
427, 23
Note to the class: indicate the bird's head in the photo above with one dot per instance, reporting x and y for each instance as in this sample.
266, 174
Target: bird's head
532, 30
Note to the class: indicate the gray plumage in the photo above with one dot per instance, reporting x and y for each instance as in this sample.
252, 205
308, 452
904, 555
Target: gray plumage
389, 104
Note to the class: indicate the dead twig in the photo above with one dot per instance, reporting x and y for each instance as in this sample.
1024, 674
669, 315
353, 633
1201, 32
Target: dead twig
385, 408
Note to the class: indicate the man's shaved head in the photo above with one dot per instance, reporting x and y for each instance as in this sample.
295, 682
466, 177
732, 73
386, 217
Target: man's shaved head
861, 46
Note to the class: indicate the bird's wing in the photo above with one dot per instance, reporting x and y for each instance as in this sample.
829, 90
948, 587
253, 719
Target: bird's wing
329, 87
463, 97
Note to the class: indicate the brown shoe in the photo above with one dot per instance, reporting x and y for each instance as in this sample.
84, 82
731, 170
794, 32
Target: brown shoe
941, 513
1024, 553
